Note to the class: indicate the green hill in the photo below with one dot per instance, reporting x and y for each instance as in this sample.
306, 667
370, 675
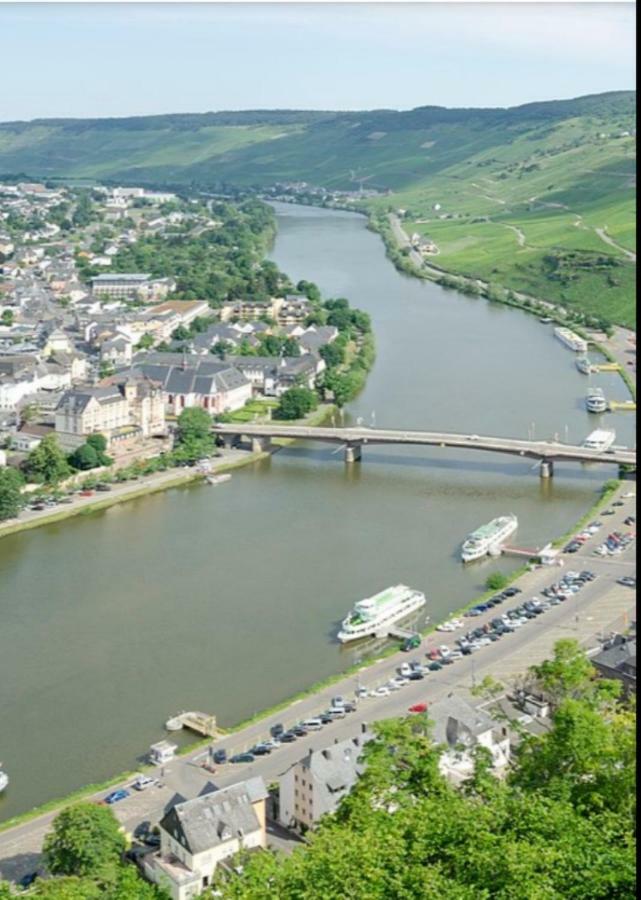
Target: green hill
538, 197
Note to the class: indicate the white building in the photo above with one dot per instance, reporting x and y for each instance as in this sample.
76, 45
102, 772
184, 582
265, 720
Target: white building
459, 728
197, 835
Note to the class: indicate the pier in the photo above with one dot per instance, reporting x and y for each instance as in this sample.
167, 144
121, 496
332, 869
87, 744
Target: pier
401, 634
624, 405
199, 722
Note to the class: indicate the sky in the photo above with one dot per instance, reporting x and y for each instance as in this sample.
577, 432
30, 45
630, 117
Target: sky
120, 59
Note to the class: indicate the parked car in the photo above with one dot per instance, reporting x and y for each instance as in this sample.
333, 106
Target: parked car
287, 737
277, 729
103, 487
418, 708
242, 758
313, 724
220, 757
143, 781
627, 581
117, 796
27, 880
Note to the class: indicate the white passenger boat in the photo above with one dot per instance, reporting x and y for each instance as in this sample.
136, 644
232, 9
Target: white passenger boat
595, 401
601, 439
482, 541
572, 340
375, 614
4, 780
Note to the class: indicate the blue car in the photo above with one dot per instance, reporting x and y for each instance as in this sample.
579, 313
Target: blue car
115, 796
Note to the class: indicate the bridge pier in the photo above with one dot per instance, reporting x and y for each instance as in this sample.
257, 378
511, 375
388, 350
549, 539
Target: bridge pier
261, 444
547, 468
353, 453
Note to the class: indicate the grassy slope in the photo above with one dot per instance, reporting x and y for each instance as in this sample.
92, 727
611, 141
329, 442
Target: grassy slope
542, 170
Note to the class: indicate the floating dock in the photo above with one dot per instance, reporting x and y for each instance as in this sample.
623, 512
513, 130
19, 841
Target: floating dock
606, 367
629, 405
402, 634
199, 722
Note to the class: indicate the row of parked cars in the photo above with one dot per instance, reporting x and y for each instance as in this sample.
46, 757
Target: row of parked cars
615, 543
338, 709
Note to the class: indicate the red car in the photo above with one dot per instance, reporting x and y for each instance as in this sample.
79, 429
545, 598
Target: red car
418, 708
86, 493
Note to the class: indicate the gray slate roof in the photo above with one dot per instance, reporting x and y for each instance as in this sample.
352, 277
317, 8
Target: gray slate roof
456, 721
186, 375
215, 818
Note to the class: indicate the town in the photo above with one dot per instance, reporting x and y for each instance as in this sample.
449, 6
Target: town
98, 364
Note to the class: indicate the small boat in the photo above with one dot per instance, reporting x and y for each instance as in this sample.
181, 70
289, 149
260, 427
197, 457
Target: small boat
175, 723
545, 320
583, 364
217, 479
4, 780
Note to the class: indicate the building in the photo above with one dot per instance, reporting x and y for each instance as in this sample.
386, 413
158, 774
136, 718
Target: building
273, 375
188, 381
197, 835
315, 785
124, 284
617, 659
126, 408
459, 728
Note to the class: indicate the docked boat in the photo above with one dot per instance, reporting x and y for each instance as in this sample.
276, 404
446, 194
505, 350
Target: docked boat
175, 723
572, 340
4, 780
218, 479
595, 401
483, 541
583, 364
378, 613
600, 440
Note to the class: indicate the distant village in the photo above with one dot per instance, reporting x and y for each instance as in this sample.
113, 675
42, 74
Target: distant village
116, 352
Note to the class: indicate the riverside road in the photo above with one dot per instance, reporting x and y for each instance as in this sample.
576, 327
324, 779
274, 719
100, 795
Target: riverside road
602, 606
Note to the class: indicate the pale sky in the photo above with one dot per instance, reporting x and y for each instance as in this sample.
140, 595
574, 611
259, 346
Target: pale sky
119, 59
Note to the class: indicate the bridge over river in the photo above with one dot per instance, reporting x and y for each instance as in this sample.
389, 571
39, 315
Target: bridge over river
354, 439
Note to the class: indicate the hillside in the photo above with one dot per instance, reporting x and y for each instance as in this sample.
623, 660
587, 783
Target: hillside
538, 197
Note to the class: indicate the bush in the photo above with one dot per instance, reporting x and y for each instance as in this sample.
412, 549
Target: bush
296, 403
496, 581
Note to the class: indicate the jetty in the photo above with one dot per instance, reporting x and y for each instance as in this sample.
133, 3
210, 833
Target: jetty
200, 722
606, 367
625, 405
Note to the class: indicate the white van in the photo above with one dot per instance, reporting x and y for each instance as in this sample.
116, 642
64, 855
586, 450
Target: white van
312, 724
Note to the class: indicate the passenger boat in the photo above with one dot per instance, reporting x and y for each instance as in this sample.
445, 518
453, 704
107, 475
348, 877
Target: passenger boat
571, 340
595, 401
482, 541
601, 440
378, 613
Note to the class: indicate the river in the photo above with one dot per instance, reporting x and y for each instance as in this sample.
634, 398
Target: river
227, 599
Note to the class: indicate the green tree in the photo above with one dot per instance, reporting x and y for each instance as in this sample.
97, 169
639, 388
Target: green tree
496, 581
146, 342
296, 403
11, 482
194, 437
570, 675
47, 462
333, 354
7, 317
85, 840
84, 457
99, 443
181, 333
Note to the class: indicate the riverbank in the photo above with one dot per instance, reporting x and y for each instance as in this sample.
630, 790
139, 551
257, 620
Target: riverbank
411, 263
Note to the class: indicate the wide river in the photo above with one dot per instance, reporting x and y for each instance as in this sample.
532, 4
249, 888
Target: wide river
227, 599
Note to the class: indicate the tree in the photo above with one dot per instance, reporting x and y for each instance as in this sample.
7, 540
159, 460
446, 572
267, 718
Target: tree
99, 443
85, 840
84, 457
333, 354
296, 403
7, 317
146, 342
570, 675
10, 494
195, 439
496, 581
181, 333
47, 462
